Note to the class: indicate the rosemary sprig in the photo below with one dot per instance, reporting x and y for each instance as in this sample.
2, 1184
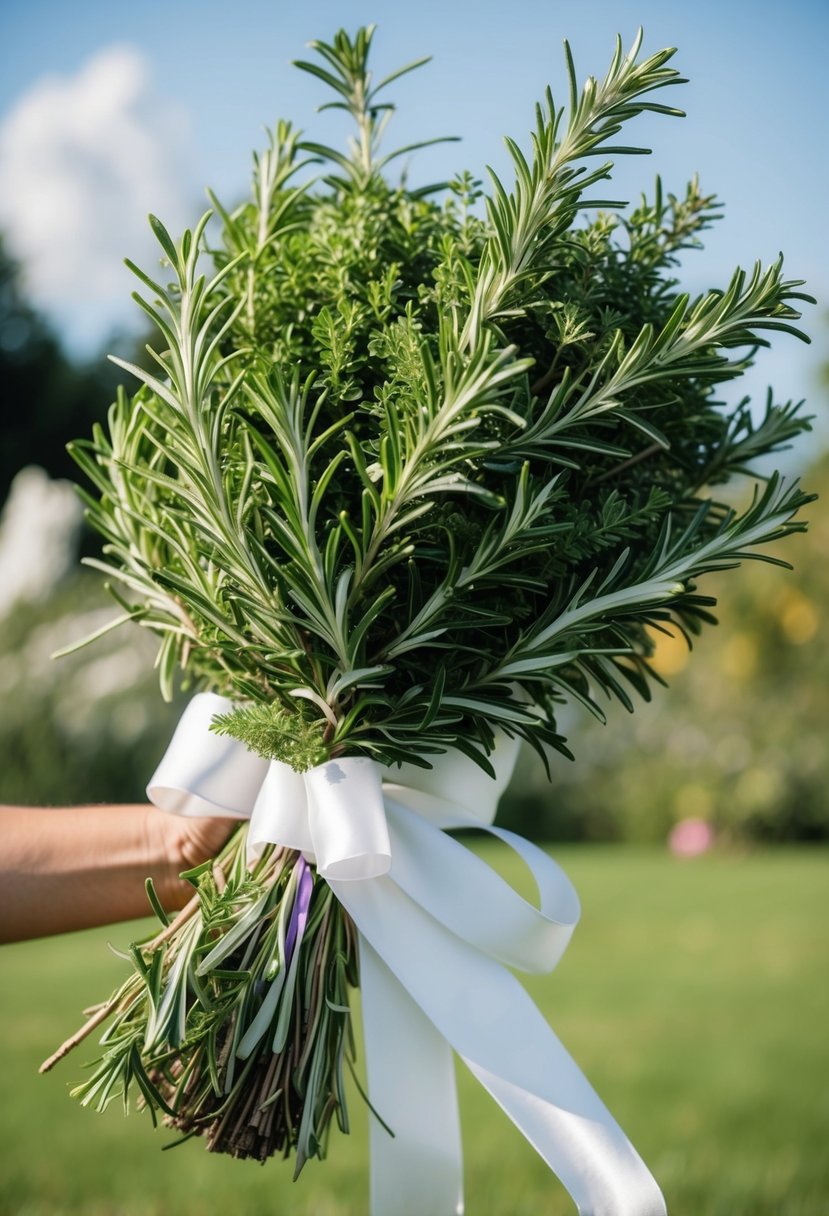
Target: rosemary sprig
402, 473
234, 1023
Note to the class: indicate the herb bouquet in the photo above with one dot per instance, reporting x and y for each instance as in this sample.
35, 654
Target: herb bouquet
410, 473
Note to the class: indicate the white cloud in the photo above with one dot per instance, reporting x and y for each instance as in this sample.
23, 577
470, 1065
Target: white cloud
83, 159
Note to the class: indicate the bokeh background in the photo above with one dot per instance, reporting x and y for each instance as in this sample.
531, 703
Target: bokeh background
696, 992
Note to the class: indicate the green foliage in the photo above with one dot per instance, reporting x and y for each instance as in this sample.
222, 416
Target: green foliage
428, 472
232, 1025
274, 733
88, 728
743, 746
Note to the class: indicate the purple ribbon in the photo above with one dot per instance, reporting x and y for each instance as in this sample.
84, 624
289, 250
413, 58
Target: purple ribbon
299, 912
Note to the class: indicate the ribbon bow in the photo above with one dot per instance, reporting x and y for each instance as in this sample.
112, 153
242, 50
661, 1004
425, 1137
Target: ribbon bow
437, 930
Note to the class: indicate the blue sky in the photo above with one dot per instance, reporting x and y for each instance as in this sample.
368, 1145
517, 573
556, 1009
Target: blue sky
197, 82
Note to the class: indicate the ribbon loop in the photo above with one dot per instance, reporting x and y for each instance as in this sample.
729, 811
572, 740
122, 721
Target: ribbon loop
280, 813
469, 898
455, 791
347, 817
203, 773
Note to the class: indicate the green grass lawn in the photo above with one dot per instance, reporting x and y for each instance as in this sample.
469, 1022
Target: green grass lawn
695, 996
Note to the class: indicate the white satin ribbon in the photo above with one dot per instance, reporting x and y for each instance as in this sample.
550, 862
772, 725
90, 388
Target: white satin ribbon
438, 927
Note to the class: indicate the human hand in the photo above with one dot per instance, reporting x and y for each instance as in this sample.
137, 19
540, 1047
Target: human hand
70, 868
182, 843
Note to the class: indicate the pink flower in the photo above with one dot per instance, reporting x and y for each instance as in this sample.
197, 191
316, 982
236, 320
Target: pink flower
690, 838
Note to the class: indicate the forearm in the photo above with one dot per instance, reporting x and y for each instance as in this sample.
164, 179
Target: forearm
71, 868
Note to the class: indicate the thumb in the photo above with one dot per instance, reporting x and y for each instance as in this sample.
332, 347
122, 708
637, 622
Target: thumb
203, 838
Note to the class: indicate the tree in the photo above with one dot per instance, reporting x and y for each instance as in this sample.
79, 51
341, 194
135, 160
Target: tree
48, 399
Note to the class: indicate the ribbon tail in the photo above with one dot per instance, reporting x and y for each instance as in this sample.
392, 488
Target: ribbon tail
487, 1016
590, 1154
417, 1169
